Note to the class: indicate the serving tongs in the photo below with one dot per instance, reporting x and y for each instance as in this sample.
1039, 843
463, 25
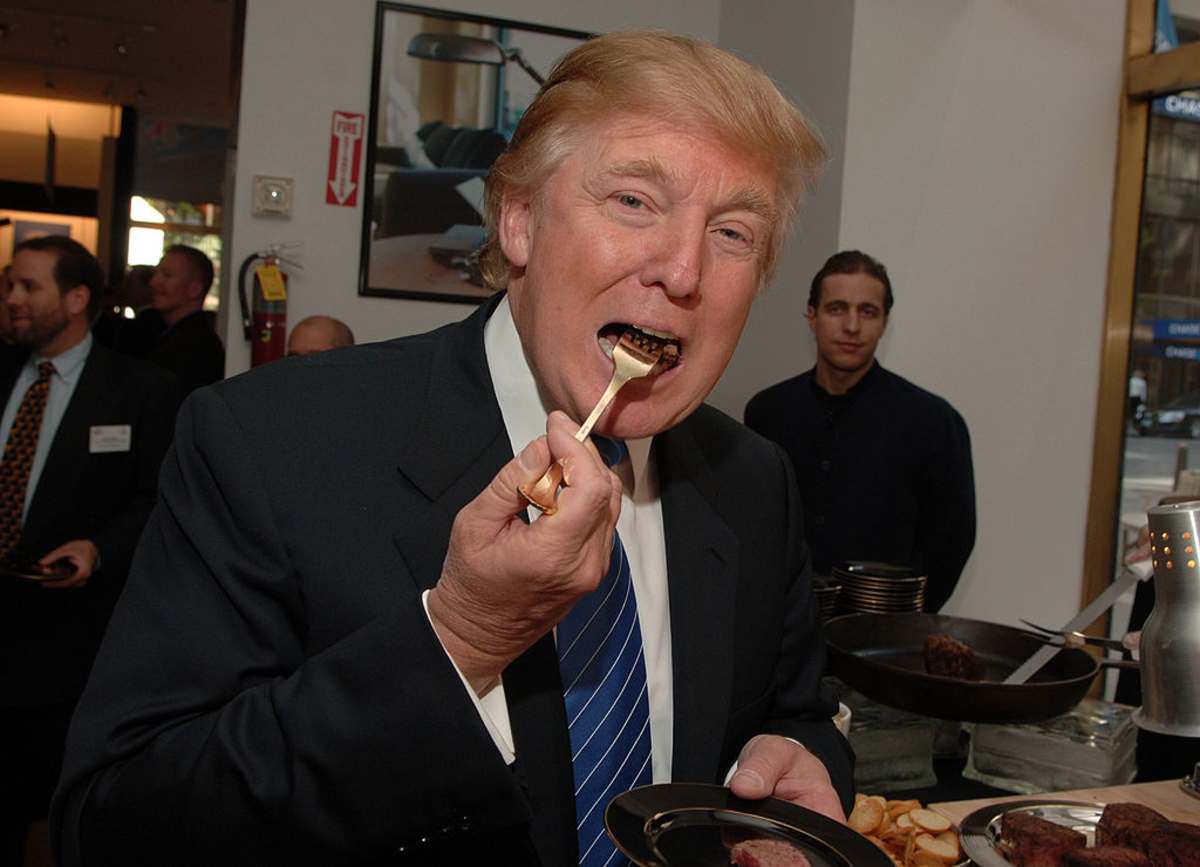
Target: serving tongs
1073, 638
635, 355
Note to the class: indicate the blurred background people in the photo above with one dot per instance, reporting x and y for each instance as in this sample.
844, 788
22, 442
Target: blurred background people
128, 322
318, 334
188, 346
884, 466
85, 430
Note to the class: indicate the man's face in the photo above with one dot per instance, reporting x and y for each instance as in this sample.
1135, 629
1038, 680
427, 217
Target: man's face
643, 225
38, 311
849, 320
174, 288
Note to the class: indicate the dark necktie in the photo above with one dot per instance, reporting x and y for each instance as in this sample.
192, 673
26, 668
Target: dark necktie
604, 690
18, 457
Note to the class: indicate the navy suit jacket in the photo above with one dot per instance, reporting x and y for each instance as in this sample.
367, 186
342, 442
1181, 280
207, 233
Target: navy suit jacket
271, 691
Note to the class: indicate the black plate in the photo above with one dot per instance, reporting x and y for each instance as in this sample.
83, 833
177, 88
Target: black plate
692, 825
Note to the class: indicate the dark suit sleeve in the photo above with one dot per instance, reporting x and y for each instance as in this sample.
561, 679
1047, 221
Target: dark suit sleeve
945, 533
118, 535
215, 730
803, 708
758, 416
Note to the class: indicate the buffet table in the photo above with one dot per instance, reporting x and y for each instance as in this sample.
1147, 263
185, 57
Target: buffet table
1167, 797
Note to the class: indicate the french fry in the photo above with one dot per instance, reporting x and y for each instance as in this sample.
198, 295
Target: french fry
934, 823
950, 838
867, 816
909, 834
941, 851
896, 808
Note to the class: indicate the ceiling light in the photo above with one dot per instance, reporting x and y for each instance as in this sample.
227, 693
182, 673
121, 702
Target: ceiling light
121, 48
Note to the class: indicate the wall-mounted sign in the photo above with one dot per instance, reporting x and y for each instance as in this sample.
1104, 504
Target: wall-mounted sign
345, 158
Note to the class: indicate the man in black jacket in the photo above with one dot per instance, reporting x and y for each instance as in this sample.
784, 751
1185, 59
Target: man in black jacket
884, 466
189, 346
85, 430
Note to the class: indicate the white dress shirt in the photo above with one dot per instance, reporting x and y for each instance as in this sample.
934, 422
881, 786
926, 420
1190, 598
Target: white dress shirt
68, 366
639, 525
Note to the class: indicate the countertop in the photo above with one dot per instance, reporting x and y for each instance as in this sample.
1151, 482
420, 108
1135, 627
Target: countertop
1166, 796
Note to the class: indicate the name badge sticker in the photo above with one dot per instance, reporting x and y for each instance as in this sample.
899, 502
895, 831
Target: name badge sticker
107, 438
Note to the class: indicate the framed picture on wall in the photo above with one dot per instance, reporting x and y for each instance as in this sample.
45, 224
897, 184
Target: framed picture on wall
447, 91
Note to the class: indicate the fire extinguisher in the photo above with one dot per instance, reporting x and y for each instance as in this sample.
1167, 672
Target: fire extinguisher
264, 320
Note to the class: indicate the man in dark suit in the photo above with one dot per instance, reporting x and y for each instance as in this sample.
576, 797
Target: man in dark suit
344, 643
85, 431
188, 346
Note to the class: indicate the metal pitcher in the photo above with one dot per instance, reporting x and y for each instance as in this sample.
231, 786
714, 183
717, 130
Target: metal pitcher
1170, 645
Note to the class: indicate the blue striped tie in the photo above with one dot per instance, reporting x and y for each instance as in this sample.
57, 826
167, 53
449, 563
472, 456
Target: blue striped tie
604, 689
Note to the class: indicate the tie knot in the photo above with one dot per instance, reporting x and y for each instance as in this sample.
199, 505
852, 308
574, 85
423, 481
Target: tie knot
612, 451
45, 370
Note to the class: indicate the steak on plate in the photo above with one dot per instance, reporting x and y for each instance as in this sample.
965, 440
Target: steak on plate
1175, 844
1124, 824
765, 852
1030, 841
1106, 856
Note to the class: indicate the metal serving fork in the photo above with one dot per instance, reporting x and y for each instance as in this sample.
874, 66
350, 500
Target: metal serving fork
635, 355
1078, 639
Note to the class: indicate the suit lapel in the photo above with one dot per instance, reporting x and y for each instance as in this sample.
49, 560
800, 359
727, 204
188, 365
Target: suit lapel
455, 449
702, 566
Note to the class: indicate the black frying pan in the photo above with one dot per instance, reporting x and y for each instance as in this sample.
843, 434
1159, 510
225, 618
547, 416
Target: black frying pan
882, 656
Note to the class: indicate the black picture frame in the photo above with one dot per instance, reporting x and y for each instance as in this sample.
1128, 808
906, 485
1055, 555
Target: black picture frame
418, 224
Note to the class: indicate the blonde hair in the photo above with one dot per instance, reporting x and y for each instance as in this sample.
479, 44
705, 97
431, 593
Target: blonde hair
678, 79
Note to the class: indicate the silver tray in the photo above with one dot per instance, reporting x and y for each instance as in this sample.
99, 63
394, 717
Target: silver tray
981, 830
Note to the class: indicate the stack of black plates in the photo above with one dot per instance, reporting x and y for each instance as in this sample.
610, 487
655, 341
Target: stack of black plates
827, 592
879, 588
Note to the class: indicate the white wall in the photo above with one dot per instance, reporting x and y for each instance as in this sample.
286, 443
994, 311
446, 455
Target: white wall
304, 60
981, 145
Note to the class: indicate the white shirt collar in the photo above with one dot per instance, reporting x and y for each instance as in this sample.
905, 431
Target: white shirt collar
517, 393
69, 364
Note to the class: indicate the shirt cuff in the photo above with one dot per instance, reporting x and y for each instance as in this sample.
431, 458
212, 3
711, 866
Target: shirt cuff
492, 707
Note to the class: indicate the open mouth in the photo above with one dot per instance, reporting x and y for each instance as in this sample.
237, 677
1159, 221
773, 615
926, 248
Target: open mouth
647, 339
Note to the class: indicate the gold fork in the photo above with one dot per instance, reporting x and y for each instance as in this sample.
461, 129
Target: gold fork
631, 361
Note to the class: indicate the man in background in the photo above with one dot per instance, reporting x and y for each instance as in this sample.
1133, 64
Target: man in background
884, 466
189, 346
84, 432
319, 334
